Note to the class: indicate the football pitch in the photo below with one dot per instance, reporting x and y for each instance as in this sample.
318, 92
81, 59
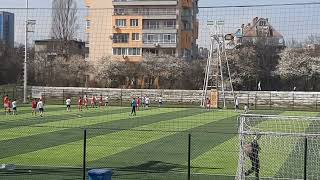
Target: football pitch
151, 145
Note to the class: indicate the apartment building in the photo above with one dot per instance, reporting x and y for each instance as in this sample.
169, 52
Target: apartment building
7, 28
126, 29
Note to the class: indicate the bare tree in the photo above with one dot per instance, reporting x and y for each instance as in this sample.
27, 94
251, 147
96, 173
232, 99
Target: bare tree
64, 20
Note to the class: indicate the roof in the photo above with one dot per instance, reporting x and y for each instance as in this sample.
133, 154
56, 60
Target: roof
250, 31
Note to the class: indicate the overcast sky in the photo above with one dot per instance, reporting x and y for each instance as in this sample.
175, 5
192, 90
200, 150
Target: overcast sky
47, 3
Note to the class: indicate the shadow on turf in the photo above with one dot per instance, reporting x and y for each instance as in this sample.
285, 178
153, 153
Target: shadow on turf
158, 167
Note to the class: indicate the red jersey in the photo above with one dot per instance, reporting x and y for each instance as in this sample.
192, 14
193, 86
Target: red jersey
138, 101
5, 100
208, 102
86, 101
80, 102
100, 99
34, 104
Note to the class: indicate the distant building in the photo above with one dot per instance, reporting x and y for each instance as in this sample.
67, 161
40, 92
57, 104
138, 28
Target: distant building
203, 53
126, 29
259, 28
7, 28
52, 48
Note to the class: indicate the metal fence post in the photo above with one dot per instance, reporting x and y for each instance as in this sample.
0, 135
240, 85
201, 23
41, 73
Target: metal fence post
305, 158
84, 154
270, 100
121, 97
62, 96
293, 100
13, 93
255, 101
189, 156
317, 102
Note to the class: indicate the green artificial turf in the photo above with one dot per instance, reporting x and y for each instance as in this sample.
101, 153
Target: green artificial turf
151, 145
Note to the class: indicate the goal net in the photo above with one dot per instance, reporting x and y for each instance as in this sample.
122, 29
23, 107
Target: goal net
279, 147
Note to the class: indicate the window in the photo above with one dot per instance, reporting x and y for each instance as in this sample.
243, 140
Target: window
152, 25
126, 51
134, 51
135, 36
151, 37
167, 37
120, 38
262, 23
170, 24
88, 24
186, 26
134, 22
119, 11
121, 22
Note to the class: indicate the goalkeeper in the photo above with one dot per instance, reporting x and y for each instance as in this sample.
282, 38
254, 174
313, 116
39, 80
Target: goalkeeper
252, 151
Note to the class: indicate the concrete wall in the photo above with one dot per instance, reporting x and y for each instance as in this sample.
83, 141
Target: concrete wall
261, 98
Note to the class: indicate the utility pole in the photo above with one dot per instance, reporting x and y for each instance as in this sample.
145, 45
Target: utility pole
25, 56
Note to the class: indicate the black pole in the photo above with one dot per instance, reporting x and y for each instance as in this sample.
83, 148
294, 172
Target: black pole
270, 100
293, 101
317, 102
305, 158
84, 154
189, 156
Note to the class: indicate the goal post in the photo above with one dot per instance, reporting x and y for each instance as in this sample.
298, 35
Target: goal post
278, 147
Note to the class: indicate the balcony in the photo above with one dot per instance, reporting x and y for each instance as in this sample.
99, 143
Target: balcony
143, 3
159, 43
147, 13
159, 29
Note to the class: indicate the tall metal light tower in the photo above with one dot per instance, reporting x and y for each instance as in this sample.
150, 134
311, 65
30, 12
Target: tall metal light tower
25, 55
29, 27
214, 78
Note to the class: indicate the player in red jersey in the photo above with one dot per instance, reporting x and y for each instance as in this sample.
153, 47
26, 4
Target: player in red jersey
100, 101
5, 103
138, 103
80, 102
208, 104
93, 102
34, 107
85, 102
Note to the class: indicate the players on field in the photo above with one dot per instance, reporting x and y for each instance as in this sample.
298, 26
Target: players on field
133, 105
138, 103
6, 105
100, 101
34, 106
68, 103
106, 101
40, 107
85, 101
246, 108
147, 101
208, 104
237, 104
160, 101
252, 151
80, 102
143, 101
93, 101
14, 107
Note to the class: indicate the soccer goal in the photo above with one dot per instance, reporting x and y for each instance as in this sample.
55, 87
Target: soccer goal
278, 147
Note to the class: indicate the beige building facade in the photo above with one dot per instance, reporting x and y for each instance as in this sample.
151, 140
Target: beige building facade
127, 29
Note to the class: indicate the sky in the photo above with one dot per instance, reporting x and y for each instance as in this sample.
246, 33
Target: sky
203, 3
294, 22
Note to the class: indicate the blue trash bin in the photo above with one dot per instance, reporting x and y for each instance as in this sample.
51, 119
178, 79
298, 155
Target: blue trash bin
100, 174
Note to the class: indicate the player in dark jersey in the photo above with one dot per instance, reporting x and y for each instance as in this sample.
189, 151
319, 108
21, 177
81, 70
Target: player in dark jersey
253, 154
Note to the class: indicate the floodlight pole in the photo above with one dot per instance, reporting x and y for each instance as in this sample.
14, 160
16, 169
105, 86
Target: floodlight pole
25, 56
